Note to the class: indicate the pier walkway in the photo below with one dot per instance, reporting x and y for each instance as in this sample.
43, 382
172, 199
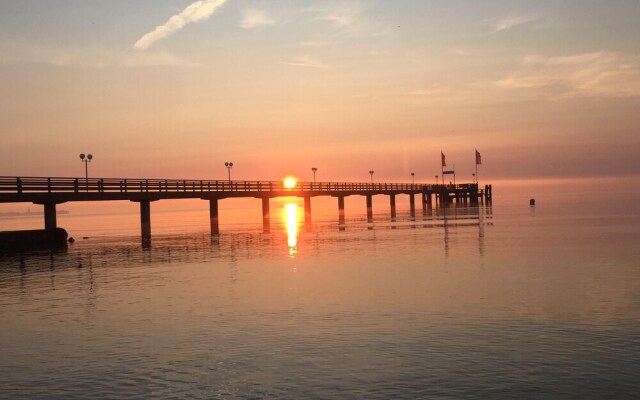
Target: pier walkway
49, 191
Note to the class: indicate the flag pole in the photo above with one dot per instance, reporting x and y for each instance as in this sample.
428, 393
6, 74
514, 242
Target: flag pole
477, 178
441, 166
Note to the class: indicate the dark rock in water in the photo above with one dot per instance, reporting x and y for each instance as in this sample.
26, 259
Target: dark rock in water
11, 241
71, 240
532, 202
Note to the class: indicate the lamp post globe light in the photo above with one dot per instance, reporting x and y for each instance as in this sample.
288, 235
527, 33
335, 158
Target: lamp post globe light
413, 177
437, 179
86, 160
314, 169
371, 173
474, 178
229, 165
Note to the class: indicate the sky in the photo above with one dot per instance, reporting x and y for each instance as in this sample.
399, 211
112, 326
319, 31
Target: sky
174, 89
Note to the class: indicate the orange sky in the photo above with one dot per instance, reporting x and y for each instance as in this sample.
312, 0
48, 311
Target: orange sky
176, 88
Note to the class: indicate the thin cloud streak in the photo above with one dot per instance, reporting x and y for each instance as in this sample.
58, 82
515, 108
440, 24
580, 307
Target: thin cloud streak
341, 17
253, 19
597, 74
511, 22
194, 12
305, 61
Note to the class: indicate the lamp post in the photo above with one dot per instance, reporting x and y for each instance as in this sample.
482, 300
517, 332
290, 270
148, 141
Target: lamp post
474, 178
437, 179
413, 177
86, 160
229, 165
371, 173
314, 169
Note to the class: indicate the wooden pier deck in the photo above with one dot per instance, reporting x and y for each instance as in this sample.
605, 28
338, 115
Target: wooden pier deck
49, 191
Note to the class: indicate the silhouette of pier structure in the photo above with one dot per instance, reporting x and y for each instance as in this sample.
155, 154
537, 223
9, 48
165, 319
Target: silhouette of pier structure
50, 191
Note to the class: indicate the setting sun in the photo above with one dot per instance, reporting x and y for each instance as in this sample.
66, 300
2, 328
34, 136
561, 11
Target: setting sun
289, 182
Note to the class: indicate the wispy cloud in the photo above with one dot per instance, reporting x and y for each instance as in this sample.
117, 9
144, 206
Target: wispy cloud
83, 57
305, 61
194, 12
601, 74
253, 19
313, 43
444, 94
343, 16
511, 22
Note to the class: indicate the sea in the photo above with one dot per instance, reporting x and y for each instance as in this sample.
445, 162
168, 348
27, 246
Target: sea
496, 301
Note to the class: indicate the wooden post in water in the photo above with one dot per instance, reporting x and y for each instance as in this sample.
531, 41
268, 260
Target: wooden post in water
50, 219
392, 203
474, 194
145, 222
213, 216
369, 208
266, 218
412, 205
341, 212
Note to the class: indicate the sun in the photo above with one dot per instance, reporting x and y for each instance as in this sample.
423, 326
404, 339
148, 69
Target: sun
289, 182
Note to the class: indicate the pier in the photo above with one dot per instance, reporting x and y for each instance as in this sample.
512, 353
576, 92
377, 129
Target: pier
50, 191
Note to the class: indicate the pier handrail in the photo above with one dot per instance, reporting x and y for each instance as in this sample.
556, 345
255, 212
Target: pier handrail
14, 184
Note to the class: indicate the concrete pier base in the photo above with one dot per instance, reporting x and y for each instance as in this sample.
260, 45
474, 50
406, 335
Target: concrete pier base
17, 241
266, 216
213, 216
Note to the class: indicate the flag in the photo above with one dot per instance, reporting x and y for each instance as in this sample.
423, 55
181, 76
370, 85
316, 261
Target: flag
444, 163
478, 158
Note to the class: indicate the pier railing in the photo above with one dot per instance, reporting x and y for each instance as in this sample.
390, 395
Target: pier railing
117, 185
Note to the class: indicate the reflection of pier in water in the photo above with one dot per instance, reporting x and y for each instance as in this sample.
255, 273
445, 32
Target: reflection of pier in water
237, 246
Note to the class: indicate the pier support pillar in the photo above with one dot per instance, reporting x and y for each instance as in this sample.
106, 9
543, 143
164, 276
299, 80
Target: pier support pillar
50, 219
423, 198
412, 206
341, 212
145, 222
266, 217
213, 216
369, 208
392, 203
487, 193
307, 212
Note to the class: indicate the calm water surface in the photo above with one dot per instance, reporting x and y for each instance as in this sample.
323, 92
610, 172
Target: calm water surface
500, 302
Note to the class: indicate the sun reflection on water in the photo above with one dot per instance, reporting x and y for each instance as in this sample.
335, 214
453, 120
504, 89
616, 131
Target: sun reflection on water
291, 220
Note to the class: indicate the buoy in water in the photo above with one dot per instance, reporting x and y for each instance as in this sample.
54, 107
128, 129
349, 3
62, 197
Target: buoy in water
532, 202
